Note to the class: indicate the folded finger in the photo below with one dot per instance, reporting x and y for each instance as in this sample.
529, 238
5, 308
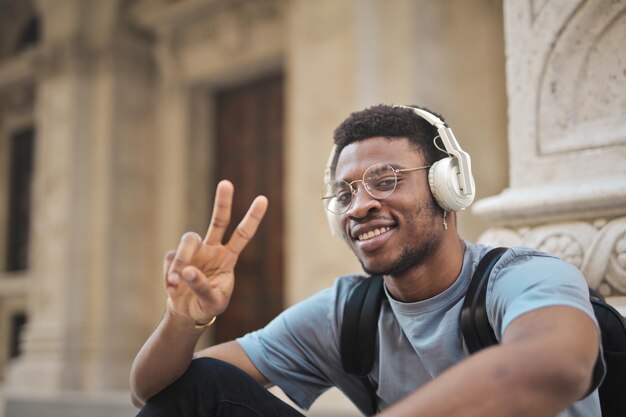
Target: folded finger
194, 278
188, 246
248, 225
222, 208
167, 262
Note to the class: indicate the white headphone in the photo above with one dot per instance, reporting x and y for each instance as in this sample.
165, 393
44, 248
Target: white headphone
450, 179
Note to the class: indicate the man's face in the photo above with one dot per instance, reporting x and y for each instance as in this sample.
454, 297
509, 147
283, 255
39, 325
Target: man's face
407, 225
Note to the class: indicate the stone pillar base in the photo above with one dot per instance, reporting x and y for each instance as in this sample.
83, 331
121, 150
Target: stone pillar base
70, 405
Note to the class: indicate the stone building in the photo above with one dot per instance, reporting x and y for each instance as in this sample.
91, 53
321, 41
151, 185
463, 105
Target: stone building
117, 118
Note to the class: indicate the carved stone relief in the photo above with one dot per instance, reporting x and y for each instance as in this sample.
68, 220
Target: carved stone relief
581, 101
565, 81
597, 248
228, 26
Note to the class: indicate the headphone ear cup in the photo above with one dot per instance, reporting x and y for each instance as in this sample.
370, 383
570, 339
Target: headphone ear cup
333, 224
444, 185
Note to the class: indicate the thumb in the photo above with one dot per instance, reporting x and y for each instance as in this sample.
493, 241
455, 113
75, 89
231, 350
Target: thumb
200, 309
193, 278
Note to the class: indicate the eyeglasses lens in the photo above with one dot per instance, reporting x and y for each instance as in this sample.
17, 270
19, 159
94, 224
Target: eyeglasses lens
379, 181
337, 196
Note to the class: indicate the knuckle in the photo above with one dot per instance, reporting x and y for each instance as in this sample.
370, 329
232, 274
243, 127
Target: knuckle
243, 233
178, 263
220, 223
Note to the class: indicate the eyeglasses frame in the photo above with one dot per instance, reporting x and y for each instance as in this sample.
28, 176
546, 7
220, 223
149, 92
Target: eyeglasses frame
354, 190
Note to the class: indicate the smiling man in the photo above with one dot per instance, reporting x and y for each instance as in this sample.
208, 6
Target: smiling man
404, 232
396, 178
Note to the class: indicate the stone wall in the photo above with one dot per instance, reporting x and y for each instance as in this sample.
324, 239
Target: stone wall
567, 137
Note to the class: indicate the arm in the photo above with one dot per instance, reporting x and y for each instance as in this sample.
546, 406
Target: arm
199, 279
543, 365
160, 361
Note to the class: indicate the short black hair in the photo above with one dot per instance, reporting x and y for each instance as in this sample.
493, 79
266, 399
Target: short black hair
390, 122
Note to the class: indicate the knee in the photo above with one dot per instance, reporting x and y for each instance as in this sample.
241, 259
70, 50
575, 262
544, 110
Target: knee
200, 387
206, 385
210, 371
205, 375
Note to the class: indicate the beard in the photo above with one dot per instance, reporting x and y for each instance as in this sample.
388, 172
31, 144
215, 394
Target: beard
411, 256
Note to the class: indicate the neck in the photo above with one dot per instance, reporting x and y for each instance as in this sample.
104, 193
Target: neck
432, 277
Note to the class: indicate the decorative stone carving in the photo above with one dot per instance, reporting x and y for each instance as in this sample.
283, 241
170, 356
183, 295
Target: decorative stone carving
62, 56
230, 25
582, 54
597, 248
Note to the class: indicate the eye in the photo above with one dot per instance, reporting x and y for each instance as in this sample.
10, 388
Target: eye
343, 197
383, 183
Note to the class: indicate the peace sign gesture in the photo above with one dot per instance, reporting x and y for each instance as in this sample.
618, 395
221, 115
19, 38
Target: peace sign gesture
199, 276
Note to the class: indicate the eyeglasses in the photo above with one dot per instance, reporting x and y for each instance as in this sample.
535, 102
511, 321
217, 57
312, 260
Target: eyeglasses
379, 180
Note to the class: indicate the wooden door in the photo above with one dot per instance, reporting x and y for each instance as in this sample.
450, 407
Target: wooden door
249, 152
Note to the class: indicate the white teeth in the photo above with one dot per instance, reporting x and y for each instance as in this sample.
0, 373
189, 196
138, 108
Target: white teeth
373, 233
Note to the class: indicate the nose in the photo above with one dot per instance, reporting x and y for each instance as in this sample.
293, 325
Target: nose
362, 202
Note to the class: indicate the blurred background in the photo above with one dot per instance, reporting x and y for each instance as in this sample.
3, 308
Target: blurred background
118, 118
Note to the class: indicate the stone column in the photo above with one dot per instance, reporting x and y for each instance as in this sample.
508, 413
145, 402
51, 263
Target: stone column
320, 92
94, 227
567, 137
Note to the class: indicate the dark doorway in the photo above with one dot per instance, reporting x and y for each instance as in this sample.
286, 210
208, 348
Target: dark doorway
20, 183
249, 152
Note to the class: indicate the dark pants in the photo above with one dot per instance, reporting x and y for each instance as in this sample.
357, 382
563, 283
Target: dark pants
214, 388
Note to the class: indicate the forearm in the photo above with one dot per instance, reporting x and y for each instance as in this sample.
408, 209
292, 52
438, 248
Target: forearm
528, 375
199, 280
164, 357
492, 384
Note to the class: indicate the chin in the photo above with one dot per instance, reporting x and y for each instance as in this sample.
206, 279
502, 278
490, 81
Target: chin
408, 259
388, 268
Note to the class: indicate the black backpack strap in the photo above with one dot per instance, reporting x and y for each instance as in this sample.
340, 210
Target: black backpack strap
359, 329
360, 325
475, 326
608, 377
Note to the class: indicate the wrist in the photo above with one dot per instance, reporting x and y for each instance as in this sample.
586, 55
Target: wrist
198, 324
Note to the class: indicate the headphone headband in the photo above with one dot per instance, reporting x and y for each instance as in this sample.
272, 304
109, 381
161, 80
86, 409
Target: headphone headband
451, 146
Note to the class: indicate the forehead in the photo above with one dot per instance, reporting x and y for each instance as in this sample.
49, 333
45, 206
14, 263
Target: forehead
358, 156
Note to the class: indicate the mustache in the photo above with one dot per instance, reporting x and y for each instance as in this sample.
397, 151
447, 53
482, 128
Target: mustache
369, 218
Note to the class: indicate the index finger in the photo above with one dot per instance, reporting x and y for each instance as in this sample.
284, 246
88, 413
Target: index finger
222, 208
247, 227
189, 244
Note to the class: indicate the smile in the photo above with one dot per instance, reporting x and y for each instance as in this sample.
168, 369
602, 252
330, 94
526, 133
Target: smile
373, 233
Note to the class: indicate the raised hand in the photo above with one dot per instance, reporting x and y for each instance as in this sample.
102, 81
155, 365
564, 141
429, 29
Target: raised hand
199, 275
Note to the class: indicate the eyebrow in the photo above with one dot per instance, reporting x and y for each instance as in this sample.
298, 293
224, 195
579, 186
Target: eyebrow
360, 176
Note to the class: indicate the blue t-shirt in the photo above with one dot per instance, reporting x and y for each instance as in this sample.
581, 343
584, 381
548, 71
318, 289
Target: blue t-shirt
299, 350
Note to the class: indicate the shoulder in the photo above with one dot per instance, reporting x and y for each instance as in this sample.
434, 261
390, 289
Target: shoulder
526, 279
341, 291
318, 311
519, 259
309, 329
522, 269
527, 265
